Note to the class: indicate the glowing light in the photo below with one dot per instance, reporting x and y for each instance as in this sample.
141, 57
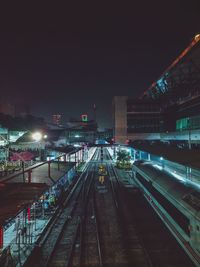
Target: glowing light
37, 136
84, 117
77, 145
197, 37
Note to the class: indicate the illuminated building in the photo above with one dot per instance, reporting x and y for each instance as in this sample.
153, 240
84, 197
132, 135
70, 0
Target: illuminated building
169, 105
135, 119
56, 119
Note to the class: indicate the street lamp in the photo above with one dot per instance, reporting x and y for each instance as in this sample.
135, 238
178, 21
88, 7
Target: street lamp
38, 136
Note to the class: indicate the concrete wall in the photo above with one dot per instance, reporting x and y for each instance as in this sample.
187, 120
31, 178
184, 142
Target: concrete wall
120, 119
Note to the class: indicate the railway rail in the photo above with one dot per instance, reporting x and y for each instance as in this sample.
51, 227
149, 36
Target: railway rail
100, 224
78, 242
70, 234
68, 215
89, 249
135, 249
138, 216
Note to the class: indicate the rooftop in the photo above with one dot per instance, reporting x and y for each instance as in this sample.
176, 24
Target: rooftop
15, 196
180, 155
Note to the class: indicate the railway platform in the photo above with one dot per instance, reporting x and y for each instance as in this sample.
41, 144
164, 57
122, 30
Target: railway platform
18, 194
30, 199
99, 221
125, 178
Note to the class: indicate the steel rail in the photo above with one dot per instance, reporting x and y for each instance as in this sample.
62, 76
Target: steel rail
90, 204
85, 195
57, 216
59, 221
97, 232
114, 188
84, 179
85, 201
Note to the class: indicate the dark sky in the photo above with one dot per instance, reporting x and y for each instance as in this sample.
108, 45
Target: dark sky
64, 58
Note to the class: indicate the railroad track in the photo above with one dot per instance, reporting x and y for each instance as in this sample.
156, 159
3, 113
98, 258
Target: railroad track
136, 252
98, 240
78, 243
89, 252
145, 228
67, 250
86, 249
68, 242
67, 215
98, 224
51, 243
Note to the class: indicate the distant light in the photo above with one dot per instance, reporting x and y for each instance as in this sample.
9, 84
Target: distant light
84, 117
76, 145
50, 158
161, 158
37, 136
45, 136
197, 37
77, 136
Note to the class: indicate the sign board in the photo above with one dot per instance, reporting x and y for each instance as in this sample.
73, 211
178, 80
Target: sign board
84, 117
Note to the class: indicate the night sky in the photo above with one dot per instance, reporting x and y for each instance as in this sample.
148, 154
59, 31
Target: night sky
64, 58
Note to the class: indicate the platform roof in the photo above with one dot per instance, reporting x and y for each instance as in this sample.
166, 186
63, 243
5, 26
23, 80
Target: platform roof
186, 157
15, 196
40, 173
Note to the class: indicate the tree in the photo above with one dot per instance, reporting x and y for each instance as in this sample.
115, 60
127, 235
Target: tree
123, 159
122, 156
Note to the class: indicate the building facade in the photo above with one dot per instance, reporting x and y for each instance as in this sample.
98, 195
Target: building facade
135, 119
120, 119
56, 119
171, 104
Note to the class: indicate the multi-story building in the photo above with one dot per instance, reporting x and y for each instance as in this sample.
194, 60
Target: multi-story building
143, 116
81, 132
135, 119
171, 104
106, 135
56, 119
